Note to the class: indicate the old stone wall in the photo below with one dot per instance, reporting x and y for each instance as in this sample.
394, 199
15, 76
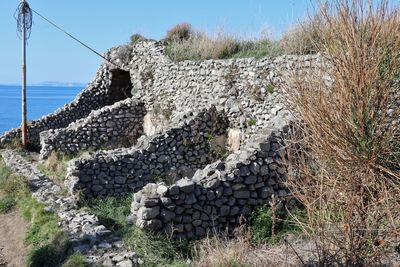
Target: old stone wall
248, 90
105, 89
218, 195
172, 154
109, 127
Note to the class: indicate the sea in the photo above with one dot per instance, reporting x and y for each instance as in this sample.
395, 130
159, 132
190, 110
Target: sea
41, 100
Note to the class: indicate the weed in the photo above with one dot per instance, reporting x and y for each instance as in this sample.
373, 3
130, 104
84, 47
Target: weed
136, 38
155, 250
270, 88
225, 251
179, 32
10, 183
231, 76
200, 46
43, 233
6, 204
160, 179
14, 143
157, 109
112, 211
258, 49
147, 78
75, 260
302, 39
55, 166
252, 122
43, 226
49, 243
165, 112
268, 226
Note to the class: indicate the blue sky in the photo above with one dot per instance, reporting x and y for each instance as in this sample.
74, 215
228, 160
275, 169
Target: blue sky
104, 23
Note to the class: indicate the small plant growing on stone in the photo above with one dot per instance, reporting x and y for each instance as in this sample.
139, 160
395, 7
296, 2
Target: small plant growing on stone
179, 32
157, 109
231, 75
210, 137
14, 143
268, 224
75, 260
270, 88
136, 38
160, 179
147, 78
252, 122
167, 113
256, 92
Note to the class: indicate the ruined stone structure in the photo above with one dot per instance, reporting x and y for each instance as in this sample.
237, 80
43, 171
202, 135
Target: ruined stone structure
217, 196
209, 133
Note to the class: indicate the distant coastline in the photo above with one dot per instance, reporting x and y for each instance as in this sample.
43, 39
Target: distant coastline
48, 84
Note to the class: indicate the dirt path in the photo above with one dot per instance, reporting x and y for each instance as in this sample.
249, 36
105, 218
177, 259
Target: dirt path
12, 247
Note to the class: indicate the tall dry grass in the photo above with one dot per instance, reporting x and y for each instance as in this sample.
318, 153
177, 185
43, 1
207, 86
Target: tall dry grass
200, 46
301, 39
345, 152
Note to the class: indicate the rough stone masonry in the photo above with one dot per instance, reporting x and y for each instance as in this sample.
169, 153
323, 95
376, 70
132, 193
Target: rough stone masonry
199, 142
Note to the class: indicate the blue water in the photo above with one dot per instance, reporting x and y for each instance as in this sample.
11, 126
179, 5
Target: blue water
41, 100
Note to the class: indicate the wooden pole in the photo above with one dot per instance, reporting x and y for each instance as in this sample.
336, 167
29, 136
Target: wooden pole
24, 129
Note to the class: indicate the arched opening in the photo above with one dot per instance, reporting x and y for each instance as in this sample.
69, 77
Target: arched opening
120, 87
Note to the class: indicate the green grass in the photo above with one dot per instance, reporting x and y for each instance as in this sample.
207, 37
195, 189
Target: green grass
47, 241
55, 166
6, 204
14, 143
252, 122
154, 250
75, 260
258, 49
112, 212
261, 223
270, 88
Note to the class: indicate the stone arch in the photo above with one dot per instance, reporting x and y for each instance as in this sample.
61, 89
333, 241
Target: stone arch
120, 86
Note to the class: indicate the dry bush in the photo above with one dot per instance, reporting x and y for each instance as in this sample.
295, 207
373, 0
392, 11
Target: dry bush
224, 251
302, 39
136, 38
345, 155
201, 46
179, 32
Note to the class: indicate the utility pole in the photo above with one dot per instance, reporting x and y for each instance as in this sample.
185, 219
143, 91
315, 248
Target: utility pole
24, 130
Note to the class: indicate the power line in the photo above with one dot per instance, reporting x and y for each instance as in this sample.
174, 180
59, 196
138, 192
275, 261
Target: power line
74, 38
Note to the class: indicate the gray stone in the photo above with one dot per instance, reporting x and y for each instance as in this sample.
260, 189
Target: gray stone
186, 185
244, 171
148, 213
241, 194
264, 170
162, 190
167, 215
120, 179
126, 263
254, 168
